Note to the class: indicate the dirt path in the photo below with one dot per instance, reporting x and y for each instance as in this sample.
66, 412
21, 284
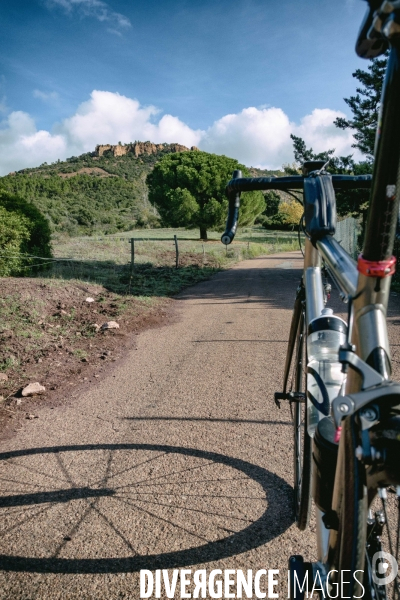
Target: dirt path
178, 459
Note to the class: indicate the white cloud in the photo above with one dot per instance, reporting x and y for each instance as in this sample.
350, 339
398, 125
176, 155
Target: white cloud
260, 137
255, 136
93, 8
321, 134
21, 145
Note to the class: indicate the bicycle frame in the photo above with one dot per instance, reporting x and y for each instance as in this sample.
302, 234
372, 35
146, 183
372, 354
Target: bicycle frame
372, 293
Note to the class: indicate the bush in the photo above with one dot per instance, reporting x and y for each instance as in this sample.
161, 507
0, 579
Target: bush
14, 233
291, 213
32, 231
286, 219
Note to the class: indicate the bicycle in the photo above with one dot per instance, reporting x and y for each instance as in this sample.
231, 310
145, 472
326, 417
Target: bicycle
347, 428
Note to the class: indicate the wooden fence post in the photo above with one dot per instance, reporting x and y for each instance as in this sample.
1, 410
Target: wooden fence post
132, 240
177, 251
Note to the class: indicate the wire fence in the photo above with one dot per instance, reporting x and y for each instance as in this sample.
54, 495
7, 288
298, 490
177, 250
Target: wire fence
119, 262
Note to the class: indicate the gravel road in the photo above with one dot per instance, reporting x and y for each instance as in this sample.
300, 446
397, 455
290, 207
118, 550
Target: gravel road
177, 459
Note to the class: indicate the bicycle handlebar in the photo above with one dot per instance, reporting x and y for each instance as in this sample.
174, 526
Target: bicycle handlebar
247, 184
240, 184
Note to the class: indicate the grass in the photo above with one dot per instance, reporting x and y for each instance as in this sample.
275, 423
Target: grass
106, 260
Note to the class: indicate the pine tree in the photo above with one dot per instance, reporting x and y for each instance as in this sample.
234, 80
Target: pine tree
188, 189
365, 106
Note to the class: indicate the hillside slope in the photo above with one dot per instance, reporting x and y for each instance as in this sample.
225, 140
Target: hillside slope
98, 192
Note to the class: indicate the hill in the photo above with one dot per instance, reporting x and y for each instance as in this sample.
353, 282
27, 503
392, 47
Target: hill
98, 192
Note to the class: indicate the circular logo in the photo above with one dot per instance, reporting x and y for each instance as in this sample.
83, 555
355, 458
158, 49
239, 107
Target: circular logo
384, 568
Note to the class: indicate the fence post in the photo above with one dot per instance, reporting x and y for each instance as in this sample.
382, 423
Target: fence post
177, 251
132, 241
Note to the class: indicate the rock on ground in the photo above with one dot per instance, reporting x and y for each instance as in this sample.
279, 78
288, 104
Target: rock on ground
33, 389
110, 325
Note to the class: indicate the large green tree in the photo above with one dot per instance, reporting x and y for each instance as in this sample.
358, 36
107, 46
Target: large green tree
188, 189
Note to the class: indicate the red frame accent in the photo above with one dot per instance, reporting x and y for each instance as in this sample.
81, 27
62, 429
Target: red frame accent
376, 268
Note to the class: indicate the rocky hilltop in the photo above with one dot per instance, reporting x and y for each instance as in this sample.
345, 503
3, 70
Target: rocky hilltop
140, 148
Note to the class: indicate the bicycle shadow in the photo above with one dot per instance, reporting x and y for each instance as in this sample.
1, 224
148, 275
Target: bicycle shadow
275, 519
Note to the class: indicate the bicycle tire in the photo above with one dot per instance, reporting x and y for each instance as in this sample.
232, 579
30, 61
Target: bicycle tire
354, 547
348, 551
302, 456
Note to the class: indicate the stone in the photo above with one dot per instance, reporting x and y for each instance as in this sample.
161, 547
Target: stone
139, 149
110, 325
89, 299
3, 377
33, 389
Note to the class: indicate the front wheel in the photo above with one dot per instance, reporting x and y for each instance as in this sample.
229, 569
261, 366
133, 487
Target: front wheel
302, 441
366, 544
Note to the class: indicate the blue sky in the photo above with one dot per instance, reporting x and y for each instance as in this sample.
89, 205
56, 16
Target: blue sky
231, 76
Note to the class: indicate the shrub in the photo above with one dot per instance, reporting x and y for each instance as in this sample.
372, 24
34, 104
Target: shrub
32, 234
14, 233
291, 213
286, 219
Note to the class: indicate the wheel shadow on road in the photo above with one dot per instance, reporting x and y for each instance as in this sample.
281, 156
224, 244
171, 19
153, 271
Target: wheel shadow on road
270, 521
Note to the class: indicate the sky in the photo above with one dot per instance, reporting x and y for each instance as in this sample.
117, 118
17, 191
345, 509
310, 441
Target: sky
233, 77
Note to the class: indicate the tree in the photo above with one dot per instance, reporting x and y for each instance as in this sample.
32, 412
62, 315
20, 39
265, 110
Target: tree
365, 106
188, 189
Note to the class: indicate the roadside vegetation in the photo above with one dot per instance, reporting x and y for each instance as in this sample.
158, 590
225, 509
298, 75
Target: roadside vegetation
107, 260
